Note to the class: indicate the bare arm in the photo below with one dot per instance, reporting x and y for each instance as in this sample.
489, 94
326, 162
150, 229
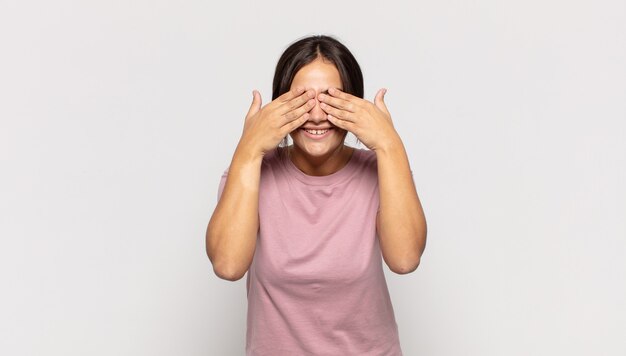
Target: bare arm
232, 231
233, 227
400, 223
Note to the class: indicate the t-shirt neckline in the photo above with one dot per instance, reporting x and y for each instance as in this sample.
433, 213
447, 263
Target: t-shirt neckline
333, 178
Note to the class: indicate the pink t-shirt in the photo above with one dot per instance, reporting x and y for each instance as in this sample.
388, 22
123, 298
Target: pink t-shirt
316, 284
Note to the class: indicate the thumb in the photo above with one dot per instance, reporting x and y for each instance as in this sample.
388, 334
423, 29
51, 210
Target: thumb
256, 104
379, 100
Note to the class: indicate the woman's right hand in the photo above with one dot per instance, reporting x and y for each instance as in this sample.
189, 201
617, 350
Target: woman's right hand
266, 126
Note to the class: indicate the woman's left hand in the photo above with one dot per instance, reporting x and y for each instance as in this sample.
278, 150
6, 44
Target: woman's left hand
369, 122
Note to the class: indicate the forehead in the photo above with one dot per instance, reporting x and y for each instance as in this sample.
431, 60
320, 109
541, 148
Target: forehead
319, 75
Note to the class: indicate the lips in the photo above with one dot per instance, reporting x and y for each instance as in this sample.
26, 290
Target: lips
316, 134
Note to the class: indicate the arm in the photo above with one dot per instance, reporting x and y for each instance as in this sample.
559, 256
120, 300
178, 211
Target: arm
232, 231
400, 222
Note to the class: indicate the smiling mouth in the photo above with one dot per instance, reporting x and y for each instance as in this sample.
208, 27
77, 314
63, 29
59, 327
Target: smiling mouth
317, 132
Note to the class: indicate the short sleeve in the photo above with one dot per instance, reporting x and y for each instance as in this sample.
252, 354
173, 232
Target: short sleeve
220, 189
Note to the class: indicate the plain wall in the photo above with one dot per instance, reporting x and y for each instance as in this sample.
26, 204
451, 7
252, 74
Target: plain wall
118, 118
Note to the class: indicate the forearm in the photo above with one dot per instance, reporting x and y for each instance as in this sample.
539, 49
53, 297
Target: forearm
402, 224
232, 230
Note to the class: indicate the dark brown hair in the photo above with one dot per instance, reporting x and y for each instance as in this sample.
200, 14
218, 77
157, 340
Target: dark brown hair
305, 51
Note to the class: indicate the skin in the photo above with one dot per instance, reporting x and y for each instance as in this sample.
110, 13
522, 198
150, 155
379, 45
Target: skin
315, 99
230, 247
328, 155
400, 222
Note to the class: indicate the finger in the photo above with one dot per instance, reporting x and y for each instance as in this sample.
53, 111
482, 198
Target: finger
338, 102
338, 113
292, 125
296, 102
295, 114
342, 124
341, 94
294, 92
256, 104
379, 100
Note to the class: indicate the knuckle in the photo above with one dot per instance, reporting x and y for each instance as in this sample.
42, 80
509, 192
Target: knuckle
294, 104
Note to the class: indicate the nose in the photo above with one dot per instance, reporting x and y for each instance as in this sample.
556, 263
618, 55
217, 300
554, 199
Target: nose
317, 115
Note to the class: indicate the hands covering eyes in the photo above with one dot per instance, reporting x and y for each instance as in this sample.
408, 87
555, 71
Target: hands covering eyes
370, 122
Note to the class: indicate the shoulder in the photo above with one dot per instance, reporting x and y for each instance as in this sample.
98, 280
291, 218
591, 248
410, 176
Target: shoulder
365, 165
366, 153
273, 157
365, 157
270, 159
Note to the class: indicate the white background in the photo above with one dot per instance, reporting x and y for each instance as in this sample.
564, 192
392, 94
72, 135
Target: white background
119, 117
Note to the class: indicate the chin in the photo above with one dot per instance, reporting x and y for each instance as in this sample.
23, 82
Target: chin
318, 148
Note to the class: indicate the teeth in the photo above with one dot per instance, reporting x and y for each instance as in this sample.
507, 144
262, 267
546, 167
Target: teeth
316, 132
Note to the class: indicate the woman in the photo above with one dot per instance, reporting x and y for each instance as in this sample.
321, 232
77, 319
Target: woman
310, 221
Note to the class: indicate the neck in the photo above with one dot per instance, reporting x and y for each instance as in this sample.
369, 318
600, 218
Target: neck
320, 165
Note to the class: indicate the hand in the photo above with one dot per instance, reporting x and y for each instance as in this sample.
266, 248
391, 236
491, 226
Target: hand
266, 126
369, 122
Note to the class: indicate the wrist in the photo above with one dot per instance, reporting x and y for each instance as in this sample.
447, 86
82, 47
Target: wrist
392, 145
247, 154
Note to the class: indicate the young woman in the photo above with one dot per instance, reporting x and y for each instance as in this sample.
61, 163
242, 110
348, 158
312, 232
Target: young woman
311, 222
